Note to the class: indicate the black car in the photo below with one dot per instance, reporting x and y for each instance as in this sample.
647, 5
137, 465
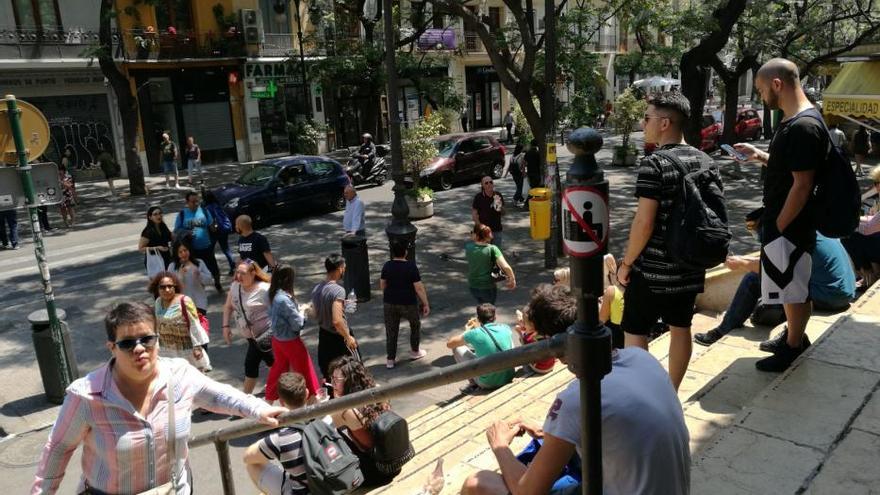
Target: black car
283, 186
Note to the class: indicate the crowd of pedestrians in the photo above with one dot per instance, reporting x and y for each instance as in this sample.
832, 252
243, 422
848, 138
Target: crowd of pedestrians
645, 440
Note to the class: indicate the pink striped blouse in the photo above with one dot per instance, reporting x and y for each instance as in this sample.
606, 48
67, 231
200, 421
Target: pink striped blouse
124, 452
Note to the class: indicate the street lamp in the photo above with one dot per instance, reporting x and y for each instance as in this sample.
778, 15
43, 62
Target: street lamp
400, 229
280, 8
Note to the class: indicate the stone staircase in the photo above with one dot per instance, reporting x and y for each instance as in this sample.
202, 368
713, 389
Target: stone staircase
722, 392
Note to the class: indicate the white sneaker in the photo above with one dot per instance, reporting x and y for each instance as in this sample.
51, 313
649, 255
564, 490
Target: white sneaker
389, 364
418, 354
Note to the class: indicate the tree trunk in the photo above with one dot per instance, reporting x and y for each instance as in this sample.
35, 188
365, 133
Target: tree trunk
693, 86
731, 101
128, 104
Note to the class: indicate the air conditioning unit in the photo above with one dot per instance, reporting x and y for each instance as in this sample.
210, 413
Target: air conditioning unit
250, 23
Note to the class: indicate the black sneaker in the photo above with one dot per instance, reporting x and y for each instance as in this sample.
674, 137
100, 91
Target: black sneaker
708, 338
469, 389
772, 345
782, 359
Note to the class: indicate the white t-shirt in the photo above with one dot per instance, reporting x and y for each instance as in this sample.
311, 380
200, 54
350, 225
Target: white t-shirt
644, 438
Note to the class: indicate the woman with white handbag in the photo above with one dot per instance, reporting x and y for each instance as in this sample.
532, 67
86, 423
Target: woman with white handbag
155, 243
120, 414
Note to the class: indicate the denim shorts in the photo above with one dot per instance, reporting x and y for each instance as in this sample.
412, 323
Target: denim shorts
169, 166
194, 165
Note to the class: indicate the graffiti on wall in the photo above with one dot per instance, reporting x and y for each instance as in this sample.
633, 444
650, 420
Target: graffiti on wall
80, 124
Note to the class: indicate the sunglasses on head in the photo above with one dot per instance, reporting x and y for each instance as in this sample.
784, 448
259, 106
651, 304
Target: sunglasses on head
148, 341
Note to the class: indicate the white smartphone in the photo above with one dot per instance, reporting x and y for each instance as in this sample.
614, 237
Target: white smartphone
732, 152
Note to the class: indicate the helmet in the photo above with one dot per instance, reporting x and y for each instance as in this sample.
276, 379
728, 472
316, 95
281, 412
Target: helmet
367, 135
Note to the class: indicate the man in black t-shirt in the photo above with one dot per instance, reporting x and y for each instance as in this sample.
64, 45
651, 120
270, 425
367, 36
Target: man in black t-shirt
797, 150
402, 292
657, 286
488, 208
252, 245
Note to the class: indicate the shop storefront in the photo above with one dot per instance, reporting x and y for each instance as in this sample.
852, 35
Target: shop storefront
77, 106
280, 99
484, 97
188, 102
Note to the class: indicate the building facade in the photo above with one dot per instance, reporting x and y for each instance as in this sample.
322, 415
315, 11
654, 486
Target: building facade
41, 62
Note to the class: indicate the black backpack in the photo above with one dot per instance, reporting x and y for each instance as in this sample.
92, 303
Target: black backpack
697, 235
837, 199
391, 446
331, 466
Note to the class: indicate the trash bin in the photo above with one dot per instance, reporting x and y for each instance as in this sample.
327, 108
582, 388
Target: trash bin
539, 212
357, 266
47, 359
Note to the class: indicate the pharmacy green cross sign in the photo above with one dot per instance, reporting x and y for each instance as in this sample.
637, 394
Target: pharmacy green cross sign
267, 91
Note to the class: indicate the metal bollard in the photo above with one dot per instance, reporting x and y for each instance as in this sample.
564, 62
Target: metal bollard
585, 222
357, 266
54, 382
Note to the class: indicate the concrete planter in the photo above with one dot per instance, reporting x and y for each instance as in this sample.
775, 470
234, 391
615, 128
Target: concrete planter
624, 157
420, 209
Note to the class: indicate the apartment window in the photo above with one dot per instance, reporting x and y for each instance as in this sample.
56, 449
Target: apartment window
439, 21
494, 18
173, 13
37, 14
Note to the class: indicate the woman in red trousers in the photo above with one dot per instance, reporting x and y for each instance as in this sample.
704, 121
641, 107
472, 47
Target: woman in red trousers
287, 320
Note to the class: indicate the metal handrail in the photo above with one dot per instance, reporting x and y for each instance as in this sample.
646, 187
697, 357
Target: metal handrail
553, 347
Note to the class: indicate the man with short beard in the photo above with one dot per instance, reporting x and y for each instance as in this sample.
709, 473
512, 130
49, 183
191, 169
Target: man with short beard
797, 150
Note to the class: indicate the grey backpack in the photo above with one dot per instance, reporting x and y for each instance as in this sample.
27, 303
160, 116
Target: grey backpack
331, 467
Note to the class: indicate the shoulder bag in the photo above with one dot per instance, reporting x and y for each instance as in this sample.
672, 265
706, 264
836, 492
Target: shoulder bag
496, 272
483, 328
264, 340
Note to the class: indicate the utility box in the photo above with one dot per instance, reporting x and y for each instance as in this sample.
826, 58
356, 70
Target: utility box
47, 187
539, 213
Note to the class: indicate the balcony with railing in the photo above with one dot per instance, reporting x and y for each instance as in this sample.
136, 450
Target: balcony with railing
147, 44
44, 43
472, 43
278, 45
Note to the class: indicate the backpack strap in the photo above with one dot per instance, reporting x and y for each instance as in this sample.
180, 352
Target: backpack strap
814, 114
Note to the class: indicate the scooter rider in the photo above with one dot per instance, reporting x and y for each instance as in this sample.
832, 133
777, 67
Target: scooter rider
366, 154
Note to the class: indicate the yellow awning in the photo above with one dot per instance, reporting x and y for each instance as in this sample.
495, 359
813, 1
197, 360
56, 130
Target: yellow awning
855, 91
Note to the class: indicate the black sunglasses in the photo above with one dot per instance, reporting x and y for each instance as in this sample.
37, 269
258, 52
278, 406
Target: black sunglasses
148, 341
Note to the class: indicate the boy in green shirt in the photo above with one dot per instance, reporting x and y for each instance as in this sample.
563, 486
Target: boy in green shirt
483, 337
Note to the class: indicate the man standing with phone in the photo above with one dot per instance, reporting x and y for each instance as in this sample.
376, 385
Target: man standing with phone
788, 225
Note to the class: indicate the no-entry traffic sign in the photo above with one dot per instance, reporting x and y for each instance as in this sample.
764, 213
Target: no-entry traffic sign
584, 221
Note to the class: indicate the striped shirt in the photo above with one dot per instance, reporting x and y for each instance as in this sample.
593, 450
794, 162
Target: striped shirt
124, 452
660, 180
285, 446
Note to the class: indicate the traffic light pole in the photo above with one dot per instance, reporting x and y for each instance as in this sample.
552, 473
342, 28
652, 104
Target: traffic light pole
585, 239
24, 171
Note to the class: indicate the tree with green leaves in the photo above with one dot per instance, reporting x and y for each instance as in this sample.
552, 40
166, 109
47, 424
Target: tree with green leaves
418, 148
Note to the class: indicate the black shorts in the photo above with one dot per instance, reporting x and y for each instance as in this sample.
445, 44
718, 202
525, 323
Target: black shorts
642, 308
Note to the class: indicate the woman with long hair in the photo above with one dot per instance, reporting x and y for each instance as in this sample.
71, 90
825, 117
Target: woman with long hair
67, 207
348, 375
177, 322
248, 300
287, 347
482, 258
192, 272
156, 235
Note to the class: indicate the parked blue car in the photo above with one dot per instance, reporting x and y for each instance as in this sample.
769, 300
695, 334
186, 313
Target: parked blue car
281, 187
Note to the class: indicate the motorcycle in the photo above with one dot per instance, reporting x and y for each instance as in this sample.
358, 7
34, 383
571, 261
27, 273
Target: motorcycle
377, 172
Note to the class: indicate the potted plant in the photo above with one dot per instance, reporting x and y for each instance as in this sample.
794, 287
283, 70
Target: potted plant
418, 150
628, 112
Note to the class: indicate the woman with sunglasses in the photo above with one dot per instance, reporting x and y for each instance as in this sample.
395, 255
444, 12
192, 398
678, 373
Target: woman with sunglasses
156, 235
248, 300
177, 322
287, 347
119, 413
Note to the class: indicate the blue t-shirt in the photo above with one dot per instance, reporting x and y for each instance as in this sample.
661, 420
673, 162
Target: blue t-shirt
832, 279
198, 222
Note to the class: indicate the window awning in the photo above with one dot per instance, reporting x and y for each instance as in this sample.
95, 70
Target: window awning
855, 91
